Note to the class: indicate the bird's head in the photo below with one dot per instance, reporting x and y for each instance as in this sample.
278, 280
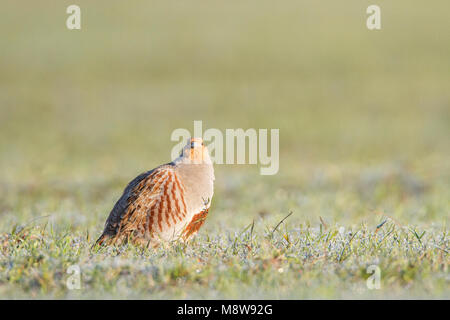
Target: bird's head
195, 152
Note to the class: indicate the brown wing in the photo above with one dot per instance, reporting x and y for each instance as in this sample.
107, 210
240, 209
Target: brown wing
152, 200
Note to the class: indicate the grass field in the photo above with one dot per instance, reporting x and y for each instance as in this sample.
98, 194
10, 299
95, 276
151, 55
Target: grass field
364, 119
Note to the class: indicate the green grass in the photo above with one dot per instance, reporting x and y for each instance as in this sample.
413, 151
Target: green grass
364, 119
255, 262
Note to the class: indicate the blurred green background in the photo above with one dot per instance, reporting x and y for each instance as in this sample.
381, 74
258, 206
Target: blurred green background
364, 116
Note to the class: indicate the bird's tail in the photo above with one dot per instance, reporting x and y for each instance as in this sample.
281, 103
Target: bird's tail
103, 240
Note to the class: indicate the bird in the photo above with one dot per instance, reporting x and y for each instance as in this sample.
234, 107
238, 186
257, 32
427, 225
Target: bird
167, 203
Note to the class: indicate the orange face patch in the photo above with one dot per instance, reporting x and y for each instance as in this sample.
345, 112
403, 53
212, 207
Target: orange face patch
196, 150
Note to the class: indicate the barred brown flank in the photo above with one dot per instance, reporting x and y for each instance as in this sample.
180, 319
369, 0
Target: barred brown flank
169, 200
195, 224
165, 203
176, 201
181, 190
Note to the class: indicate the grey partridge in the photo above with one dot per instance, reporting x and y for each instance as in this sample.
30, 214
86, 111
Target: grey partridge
167, 203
